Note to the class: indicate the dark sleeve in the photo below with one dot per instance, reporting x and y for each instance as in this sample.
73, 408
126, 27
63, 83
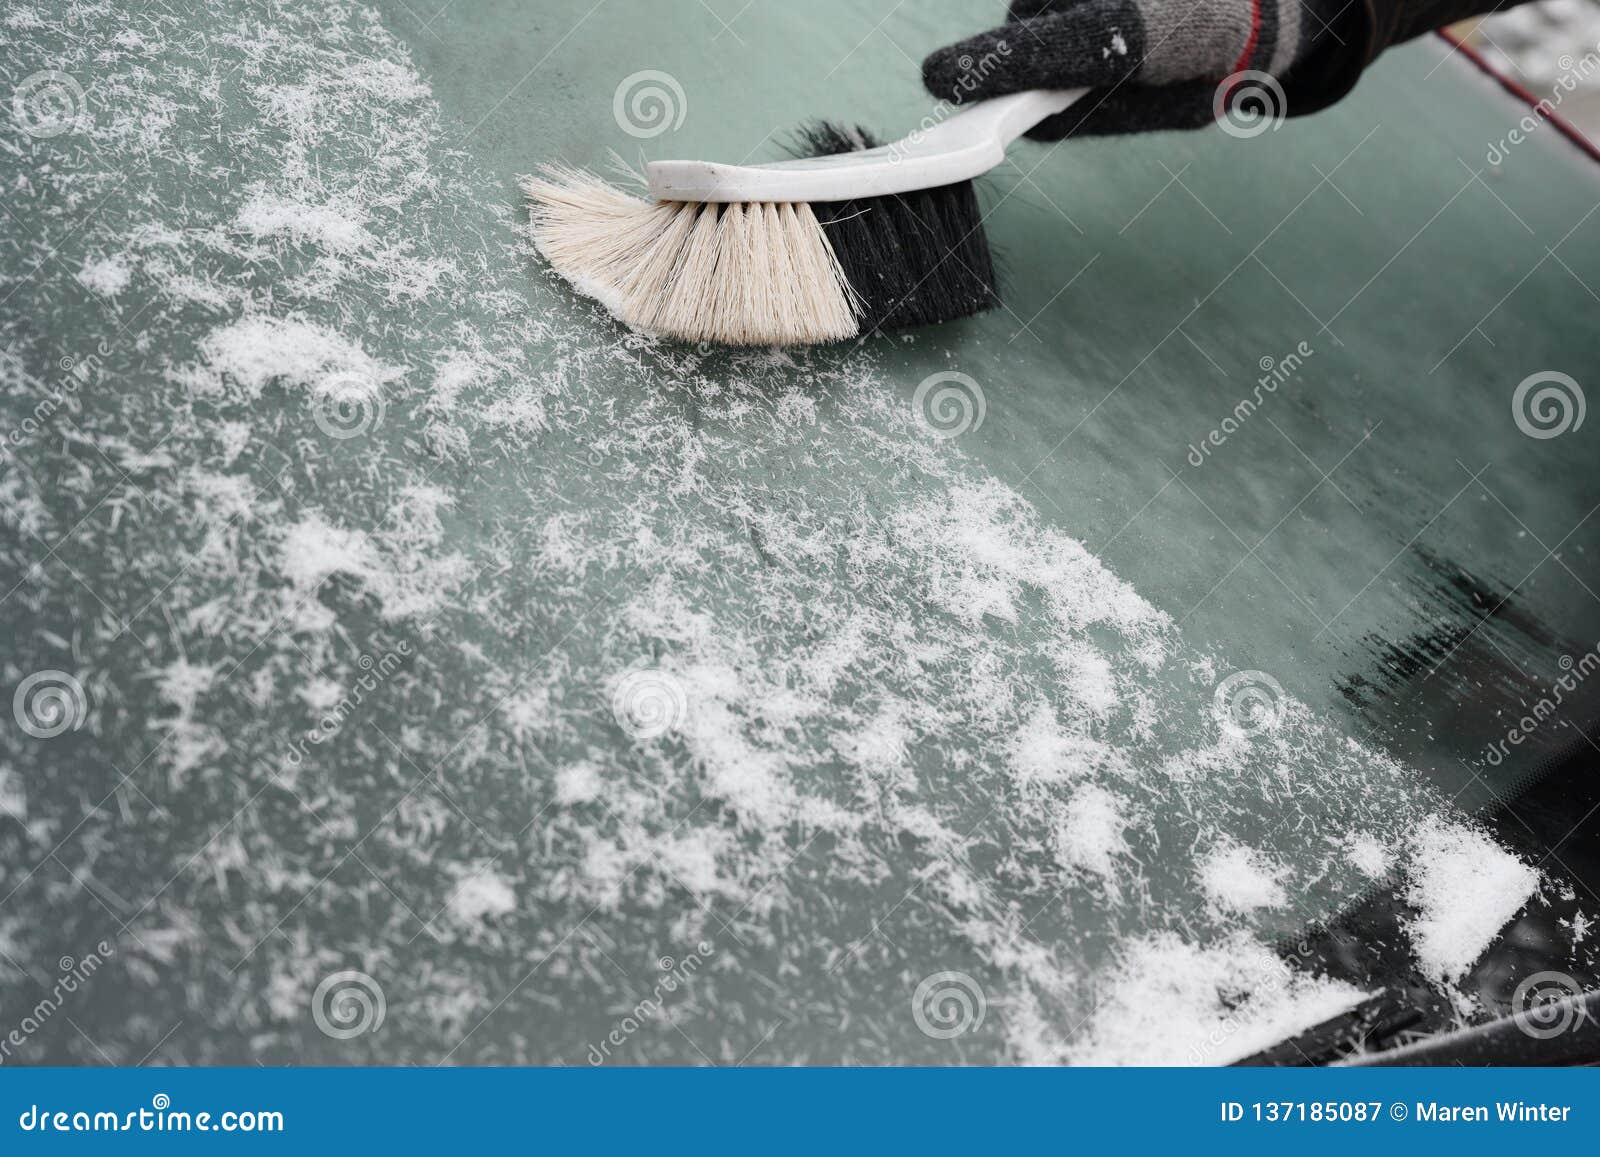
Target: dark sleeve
1364, 28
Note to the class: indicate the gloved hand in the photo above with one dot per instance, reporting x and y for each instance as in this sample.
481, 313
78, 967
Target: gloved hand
1156, 64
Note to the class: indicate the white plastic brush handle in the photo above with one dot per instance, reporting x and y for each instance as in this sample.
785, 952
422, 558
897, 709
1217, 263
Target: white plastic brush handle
964, 146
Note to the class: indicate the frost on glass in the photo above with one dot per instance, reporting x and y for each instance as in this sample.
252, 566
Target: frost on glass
587, 698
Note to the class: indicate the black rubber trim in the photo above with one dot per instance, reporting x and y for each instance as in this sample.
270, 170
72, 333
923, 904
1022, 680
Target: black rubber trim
1570, 1036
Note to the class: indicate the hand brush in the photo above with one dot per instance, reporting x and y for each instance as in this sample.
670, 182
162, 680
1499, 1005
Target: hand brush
855, 238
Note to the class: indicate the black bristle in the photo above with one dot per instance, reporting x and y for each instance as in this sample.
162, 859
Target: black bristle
914, 258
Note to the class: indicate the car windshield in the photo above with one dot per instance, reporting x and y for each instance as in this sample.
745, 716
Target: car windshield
395, 638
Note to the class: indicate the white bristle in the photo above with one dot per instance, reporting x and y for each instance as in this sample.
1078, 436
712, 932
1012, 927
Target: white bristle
750, 274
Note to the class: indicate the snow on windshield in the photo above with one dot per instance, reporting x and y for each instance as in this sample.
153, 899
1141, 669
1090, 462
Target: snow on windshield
433, 631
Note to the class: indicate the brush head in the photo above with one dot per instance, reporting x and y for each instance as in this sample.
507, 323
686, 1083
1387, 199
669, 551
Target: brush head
768, 273
914, 258
736, 274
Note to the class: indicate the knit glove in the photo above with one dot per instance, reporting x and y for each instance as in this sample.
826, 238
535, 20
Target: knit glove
1154, 64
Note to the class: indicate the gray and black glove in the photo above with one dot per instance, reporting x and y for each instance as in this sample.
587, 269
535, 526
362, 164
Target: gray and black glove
1181, 64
